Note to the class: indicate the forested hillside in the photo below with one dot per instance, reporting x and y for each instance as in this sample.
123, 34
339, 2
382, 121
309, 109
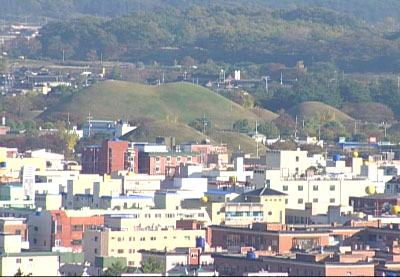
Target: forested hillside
228, 34
369, 10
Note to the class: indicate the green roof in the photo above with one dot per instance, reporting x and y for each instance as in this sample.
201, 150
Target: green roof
105, 262
71, 258
29, 254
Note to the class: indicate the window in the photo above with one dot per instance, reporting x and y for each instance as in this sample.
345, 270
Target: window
315, 188
300, 188
36, 229
269, 213
178, 159
34, 241
315, 200
31, 260
189, 158
18, 232
157, 169
131, 239
96, 238
120, 251
285, 188
332, 200
76, 242
332, 188
131, 263
168, 159
297, 158
95, 251
18, 261
142, 239
59, 228
158, 159
187, 237
300, 201
77, 228
286, 201
152, 238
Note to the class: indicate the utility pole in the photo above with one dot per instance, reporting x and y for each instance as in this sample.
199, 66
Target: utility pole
266, 83
63, 56
385, 126
398, 84
204, 123
295, 128
319, 132
281, 79
89, 118
355, 127
257, 137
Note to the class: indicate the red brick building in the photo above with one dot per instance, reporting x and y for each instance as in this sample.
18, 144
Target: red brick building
155, 163
302, 264
112, 155
208, 153
374, 204
276, 241
68, 230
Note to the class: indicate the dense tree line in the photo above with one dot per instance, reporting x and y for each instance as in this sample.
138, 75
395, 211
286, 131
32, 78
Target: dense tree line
229, 34
369, 10
338, 90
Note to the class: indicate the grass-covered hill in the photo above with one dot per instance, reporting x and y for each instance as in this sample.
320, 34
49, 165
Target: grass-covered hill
165, 128
182, 102
371, 112
264, 114
307, 109
182, 133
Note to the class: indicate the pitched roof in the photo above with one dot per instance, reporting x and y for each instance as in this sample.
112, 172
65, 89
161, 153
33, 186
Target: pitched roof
264, 192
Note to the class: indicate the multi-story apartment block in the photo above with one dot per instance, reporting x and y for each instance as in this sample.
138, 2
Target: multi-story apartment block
112, 155
122, 242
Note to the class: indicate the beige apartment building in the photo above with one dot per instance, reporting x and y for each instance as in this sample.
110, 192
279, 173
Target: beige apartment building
33, 263
322, 192
127, 242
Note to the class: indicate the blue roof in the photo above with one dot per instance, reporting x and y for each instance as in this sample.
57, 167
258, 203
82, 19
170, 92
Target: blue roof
215, 191
353, 143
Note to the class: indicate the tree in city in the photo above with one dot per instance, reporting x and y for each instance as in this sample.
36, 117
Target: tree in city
116, 269
202, 125
20, 273
241, 126
269, 129
151, 265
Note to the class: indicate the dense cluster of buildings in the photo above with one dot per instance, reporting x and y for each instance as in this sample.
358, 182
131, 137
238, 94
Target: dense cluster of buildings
199, 211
